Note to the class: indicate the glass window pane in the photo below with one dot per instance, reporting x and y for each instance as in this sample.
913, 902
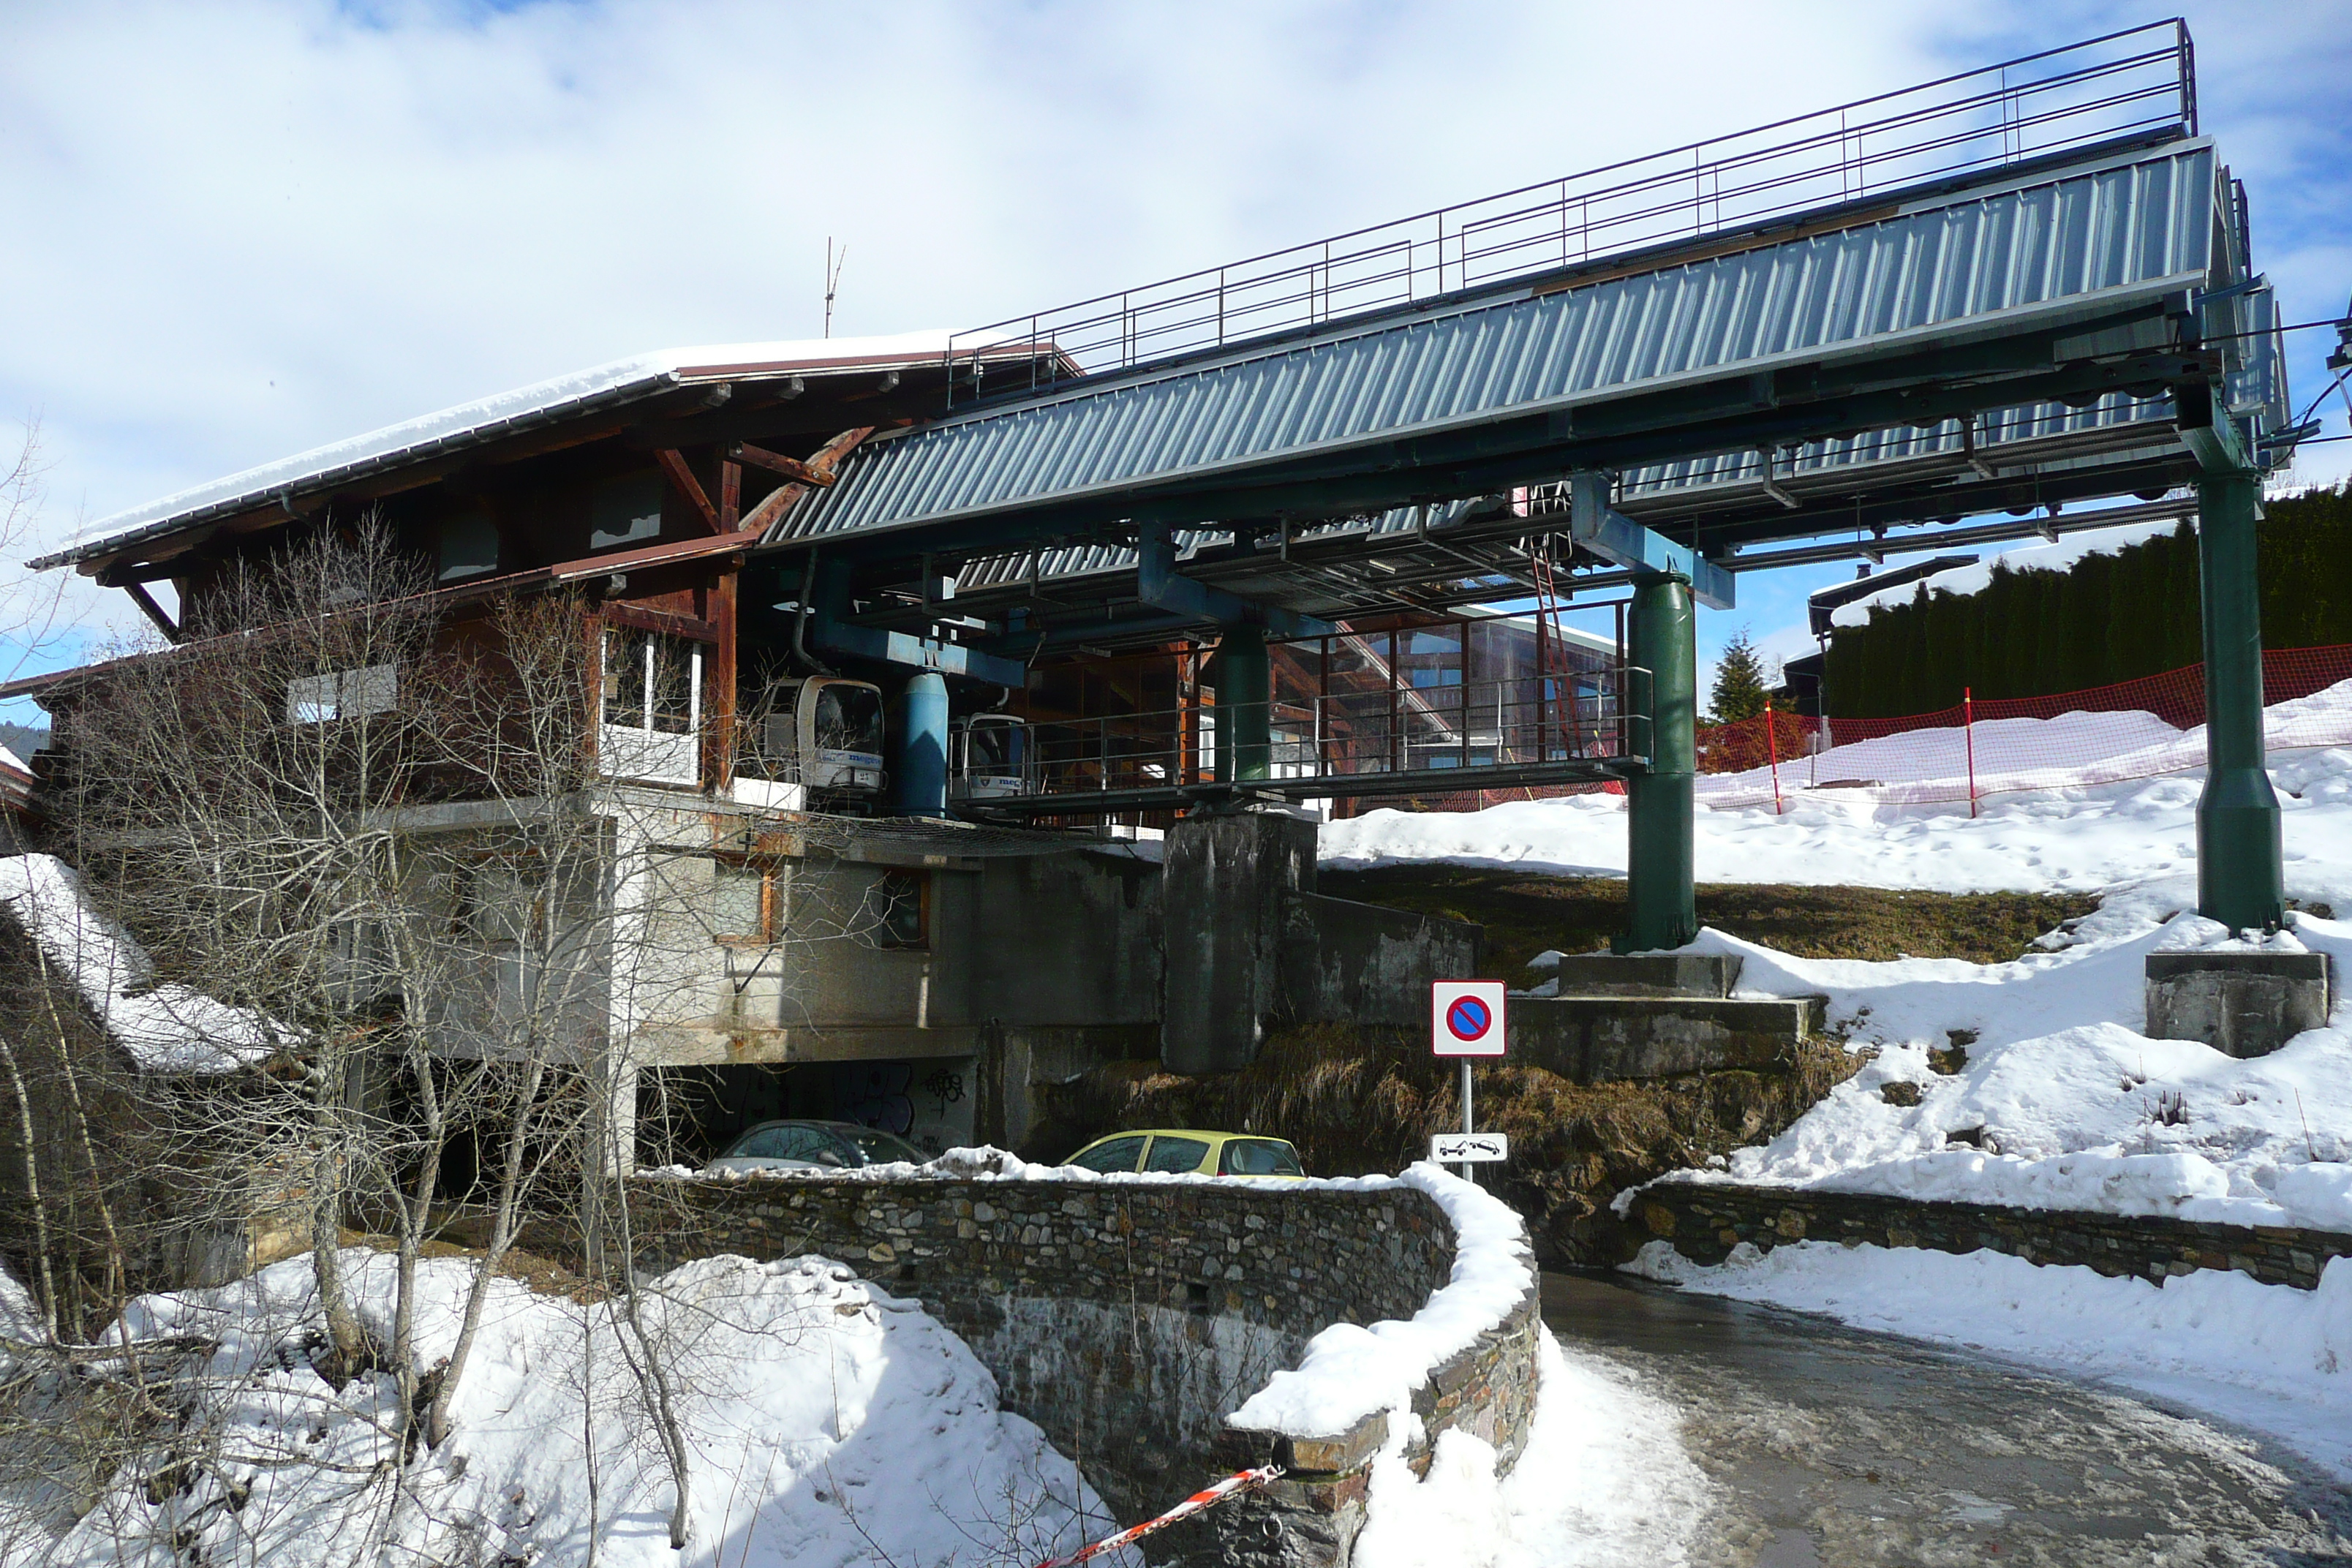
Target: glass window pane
625, 679
875, 1147
1258, 1157
470, 546
1118, 1154
625, 511
673, 684
787, 1142
850, 718
1176, 1154
894, 909
739, 904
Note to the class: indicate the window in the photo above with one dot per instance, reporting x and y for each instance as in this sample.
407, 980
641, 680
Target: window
848, 718
625, 511
343, 694
746, 903
652, 705
1118, 1154
1177, 1154
897, 910
812, 1144
651, 681
469, 547
1258, 1157
499, 905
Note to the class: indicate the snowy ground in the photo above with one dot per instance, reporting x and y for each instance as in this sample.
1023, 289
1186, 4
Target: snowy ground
2090, 839
2073, 1105
831, 1424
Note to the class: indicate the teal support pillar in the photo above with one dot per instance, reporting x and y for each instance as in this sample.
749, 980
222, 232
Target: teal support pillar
918, 762
1662, 638
1243, 678
2241, 879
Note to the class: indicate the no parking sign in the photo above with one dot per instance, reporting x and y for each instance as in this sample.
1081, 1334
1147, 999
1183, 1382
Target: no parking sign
1466, 1018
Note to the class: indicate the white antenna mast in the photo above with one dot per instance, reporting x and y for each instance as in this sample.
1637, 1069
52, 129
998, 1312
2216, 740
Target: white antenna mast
832, 278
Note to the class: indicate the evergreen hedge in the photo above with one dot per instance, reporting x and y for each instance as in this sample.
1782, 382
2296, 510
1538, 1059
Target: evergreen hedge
2109, 618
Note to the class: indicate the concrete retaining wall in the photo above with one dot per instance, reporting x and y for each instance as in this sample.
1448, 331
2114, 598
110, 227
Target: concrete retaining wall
1128, 1318
1704, 1220
1605, 1039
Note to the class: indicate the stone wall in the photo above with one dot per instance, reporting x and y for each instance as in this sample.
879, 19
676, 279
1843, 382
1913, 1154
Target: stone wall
1704, 1220
1127, 1318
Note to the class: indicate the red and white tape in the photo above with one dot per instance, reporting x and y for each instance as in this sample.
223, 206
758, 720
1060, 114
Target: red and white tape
1239, 1481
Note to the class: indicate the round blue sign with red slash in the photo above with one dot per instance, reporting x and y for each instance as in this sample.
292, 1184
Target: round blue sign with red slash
1466, 1018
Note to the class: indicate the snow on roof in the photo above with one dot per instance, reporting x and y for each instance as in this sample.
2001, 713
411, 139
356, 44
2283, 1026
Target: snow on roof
167, 1028
2059, 557
621, 380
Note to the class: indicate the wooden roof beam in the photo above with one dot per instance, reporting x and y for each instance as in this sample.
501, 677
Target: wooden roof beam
681, 478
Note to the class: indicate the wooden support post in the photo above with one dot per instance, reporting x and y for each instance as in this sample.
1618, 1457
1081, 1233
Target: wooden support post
730, 496
719, 743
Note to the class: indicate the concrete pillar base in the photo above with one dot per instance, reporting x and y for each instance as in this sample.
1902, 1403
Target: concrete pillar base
1226, 881
2242, 1003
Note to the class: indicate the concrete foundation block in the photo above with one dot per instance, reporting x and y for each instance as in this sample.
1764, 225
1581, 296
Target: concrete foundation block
1648, 974
1603, 1039
2244, 1003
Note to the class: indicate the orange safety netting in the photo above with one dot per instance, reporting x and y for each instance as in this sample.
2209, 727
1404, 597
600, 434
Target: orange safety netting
2135, 729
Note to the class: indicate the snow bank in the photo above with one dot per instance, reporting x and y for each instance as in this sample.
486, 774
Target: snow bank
1602, 1482
2072, 1105
167, 1028
2091, 838
2266, 1356
829, 1422
1351, 1372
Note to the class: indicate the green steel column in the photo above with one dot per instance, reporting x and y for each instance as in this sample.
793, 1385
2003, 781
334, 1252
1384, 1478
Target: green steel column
1661, 636
1244, 681
2240, 881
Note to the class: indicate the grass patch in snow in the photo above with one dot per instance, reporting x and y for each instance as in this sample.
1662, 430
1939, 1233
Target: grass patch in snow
1528, 914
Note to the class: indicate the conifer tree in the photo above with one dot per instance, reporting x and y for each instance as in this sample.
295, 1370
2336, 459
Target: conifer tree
1740, 688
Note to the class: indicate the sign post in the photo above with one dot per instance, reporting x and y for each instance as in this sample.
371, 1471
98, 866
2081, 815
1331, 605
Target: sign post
1466, 1020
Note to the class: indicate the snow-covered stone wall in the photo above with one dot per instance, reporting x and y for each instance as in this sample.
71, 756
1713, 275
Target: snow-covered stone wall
1164, 1330
1704, 1220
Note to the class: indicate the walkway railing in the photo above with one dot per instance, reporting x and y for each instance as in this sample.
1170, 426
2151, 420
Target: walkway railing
1350, 736
2137, 81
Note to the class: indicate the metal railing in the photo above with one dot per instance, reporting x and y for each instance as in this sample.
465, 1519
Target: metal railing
2137, 80
1483, 724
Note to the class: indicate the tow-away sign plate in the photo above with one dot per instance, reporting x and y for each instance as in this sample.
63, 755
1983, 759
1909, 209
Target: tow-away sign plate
1469, 1148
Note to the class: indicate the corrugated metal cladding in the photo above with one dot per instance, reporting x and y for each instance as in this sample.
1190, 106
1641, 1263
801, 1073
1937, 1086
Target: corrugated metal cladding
2112, 234
2033, 422
1090, 560
2255, 382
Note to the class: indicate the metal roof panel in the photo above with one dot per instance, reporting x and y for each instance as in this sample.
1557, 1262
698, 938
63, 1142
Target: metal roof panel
2100, 239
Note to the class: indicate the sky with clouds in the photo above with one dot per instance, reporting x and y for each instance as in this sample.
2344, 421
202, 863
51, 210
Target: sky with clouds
236, 228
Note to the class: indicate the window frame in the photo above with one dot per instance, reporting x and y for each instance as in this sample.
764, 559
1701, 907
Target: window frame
771, 900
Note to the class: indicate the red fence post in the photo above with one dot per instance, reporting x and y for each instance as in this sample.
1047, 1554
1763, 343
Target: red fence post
1772, 750
1969, 731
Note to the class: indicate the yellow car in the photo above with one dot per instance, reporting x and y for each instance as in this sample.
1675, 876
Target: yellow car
1185, 1151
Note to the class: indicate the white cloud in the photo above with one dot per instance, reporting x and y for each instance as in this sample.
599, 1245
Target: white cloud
240, 229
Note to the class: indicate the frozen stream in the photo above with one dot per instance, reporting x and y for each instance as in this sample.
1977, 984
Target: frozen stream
1838, 1447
